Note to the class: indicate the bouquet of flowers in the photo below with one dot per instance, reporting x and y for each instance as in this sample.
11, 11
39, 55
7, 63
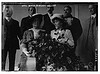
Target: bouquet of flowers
54, 56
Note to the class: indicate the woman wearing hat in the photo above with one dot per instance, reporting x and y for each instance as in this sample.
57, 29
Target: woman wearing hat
30, 39
60, 34
62, 44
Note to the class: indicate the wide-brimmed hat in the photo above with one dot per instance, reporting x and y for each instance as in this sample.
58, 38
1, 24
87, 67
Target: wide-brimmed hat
56, 16
37, 15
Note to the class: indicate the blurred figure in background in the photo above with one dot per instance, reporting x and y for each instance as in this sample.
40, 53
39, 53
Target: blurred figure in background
25, 24
48, 26
11, 33
74, 24
92, 34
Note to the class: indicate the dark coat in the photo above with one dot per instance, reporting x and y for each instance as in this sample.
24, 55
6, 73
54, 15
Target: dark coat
92, 35
48, 26
89, 43
76, 29
25, 24
10, 34
91, 39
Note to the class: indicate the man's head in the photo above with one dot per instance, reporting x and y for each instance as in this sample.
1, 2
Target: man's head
50, 9
8, 11
92, 9
31, 10
67, 10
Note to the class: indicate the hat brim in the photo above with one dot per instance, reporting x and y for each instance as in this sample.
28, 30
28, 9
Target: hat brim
52, 20
39, 16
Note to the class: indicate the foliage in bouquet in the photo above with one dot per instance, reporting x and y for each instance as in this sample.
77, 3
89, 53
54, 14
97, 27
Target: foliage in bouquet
54, 56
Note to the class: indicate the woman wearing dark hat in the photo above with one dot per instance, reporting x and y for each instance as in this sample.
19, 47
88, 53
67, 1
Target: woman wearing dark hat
30, 39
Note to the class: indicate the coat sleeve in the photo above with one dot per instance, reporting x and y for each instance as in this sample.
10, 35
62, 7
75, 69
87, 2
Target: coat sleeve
78, 31
18, 30
23, 27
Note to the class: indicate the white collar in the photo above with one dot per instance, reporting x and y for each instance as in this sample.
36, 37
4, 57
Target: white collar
8, 18
32, 15
94, 15
50, 14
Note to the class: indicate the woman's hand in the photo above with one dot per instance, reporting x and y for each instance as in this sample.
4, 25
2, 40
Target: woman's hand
24, 49
61, 40
66, 41
26, 52
71, 43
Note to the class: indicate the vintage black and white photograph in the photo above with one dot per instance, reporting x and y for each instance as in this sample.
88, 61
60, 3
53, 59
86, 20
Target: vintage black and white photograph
49, 36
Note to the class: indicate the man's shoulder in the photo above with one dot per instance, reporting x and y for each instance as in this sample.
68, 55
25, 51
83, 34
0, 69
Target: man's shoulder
45, 14
14, 20
46, 17
87, 20
28, 31
25, 18
75, 18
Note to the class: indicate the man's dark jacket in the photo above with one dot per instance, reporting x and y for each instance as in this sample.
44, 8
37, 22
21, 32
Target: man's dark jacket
25, 24
10, 34
76, 29
48, 25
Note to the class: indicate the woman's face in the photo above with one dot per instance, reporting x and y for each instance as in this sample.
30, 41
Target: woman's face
57, 23
36, 23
